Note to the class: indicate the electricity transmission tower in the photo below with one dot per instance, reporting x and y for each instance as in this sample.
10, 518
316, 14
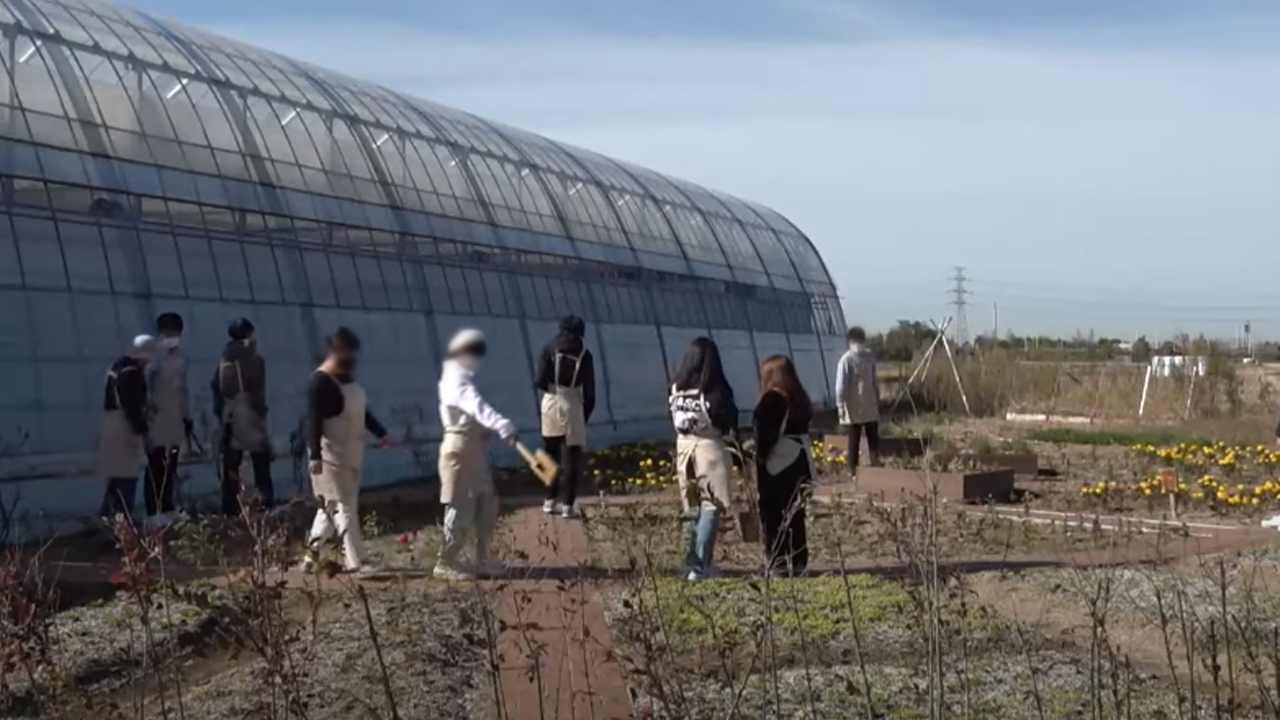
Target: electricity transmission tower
959, 292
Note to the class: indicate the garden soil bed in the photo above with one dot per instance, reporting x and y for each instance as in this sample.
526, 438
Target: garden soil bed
897, 483
1020, 463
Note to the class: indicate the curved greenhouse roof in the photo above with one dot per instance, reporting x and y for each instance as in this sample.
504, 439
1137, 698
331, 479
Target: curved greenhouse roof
233, 112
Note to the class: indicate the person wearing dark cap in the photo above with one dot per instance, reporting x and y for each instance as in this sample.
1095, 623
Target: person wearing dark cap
170, 419
567, 380
240, 400
337, 420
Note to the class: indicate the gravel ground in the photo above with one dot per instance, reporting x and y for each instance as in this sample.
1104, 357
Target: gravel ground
703, 652
100, 647
432, 640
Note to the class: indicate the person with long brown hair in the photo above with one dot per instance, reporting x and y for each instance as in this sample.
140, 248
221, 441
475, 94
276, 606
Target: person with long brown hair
784, 467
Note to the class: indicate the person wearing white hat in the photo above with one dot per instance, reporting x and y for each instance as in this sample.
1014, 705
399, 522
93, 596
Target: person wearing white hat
122, 435
466, 483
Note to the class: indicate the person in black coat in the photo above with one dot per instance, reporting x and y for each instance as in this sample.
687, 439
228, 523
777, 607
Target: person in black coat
784, 467
567, 380
122, 435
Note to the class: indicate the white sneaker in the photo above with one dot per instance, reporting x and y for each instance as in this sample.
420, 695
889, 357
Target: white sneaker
444, 572
570, 512
710, 573
549, 507
1272, 522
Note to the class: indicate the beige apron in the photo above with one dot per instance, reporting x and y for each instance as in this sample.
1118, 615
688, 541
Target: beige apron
167, 391
120, 449
702, 460
247, 426
563, 412
342, 447
787, 450
464, 463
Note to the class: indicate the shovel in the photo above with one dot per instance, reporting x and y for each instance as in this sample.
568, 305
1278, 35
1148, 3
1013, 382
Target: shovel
747, 514
540, 462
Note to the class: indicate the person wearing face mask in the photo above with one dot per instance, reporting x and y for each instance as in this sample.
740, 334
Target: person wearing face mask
170, 420
858, 395
122, 435
466, 484
240, 400
337, 420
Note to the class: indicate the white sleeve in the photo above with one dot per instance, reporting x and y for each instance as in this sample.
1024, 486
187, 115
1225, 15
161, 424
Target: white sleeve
469, 401
842, 378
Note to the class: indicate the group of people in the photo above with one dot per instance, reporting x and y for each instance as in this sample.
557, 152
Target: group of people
147, 414
704, 413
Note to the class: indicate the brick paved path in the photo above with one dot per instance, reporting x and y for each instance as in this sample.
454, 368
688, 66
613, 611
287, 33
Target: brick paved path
554, 645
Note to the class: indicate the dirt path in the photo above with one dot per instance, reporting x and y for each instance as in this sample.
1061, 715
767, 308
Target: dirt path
554, 648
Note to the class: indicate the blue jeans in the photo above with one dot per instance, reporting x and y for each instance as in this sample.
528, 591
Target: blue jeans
702, 538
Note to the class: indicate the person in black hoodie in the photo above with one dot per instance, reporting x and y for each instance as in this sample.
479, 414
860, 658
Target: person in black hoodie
240, 401
703, 413
567, 379
122, 437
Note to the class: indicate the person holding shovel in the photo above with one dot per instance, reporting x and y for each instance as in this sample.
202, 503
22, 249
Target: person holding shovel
784, 467
336, 424
466, 483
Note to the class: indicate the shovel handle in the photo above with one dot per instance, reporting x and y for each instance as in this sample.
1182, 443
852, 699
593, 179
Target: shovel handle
525, 453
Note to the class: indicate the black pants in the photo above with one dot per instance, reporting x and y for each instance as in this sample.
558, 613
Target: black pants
118, 499
232, 482
162, 475
872, 430
782, 518
564, 487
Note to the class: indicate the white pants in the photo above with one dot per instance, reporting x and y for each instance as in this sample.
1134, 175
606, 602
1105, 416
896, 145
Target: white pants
473, 511
344, 517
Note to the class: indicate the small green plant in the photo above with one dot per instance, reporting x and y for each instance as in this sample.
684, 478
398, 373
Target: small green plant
1123, 437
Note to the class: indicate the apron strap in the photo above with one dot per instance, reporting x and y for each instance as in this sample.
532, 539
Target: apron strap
113, 382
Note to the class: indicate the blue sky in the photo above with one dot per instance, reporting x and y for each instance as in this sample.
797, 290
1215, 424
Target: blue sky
1106, 165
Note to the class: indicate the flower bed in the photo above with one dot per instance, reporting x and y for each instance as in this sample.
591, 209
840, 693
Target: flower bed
1216, 477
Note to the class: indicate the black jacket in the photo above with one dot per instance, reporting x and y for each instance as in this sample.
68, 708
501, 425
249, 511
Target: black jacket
324, 401
130, 385
771, 411
547, 381
226, 382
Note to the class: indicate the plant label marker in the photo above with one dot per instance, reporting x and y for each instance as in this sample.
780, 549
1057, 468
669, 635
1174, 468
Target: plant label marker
1169, 484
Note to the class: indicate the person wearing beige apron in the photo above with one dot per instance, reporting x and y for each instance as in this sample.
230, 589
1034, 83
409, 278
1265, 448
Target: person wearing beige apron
784, 464
122, 434
703, 412
337, 420
170, 421
858, 396
466, 482
240, 399
566, 378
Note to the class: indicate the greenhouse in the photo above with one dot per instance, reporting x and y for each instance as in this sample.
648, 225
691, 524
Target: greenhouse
149, 167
